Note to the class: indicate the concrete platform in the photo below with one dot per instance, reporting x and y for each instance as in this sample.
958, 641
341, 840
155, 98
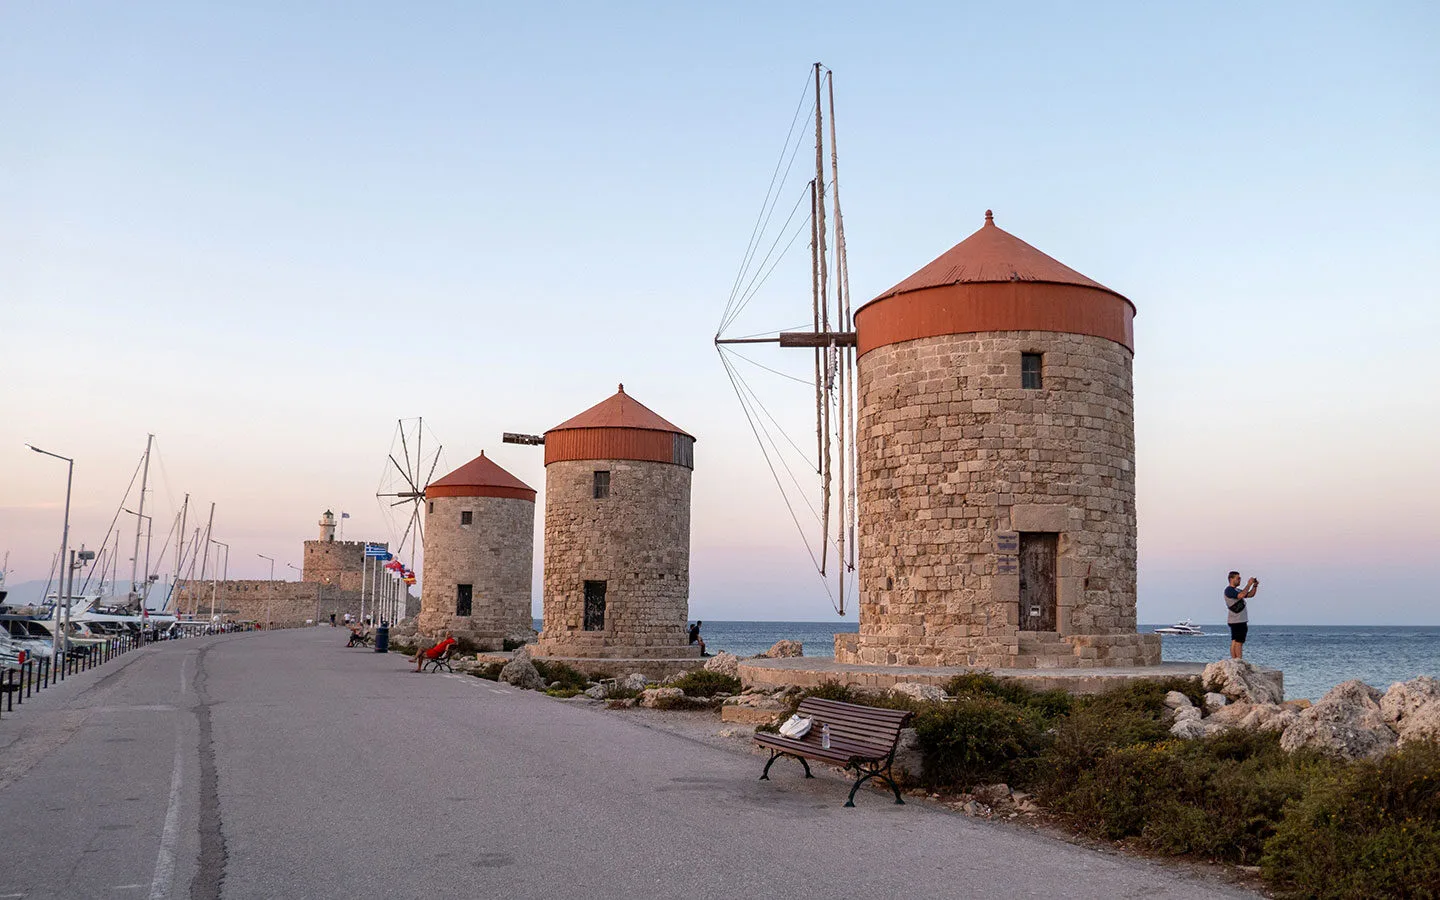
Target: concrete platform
812, 672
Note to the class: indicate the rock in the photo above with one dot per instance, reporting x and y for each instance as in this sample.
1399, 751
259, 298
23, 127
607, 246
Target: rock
1231, 714
926, 692
975, 808
1405, 698
1299, 704
908, 759
1422, 725
635, 681
597, 692
724, 663
1177, 700
1238, 679
993, 794
1187, 714
751, 709
1193, 727
1214, 701
673, 678
785, 650
1346, 722
521, 672
661, 697
627, 703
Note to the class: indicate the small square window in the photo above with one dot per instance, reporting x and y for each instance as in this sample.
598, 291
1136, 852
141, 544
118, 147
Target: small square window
465, 517
602, 485
1030, 365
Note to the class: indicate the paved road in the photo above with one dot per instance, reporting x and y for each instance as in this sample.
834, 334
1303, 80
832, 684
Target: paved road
284, 765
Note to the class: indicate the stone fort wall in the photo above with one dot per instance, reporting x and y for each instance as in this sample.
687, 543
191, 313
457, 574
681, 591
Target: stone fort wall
338, 563
954, 454
289, 603
494, 554
637, 540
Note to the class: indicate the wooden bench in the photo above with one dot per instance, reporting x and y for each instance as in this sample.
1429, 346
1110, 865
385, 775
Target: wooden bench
439, 662
862, 738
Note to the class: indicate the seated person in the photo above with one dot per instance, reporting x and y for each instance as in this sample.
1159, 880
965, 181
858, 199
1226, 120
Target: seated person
434, 652
695, 637
357, 635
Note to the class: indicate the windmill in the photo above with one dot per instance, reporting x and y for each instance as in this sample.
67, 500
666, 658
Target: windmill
409, 466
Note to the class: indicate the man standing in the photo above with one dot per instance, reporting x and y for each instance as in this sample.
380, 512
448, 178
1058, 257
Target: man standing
1239, 616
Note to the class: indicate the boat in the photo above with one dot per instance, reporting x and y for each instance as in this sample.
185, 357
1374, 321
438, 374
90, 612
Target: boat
1184, 626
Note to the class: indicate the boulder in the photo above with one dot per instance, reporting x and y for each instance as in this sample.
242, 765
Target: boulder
724, 663
785, 650
1177, 700
635, 681
1254, 716
1346, 722
908, 759
661, 697
1422, 725
1238, 679
1193, 727
1214, 701
597, 692
521, 672
926, 692
751, 709
1405, 698
993, 794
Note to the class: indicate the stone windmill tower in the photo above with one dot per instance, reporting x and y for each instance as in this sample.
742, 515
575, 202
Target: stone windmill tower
996, 445
617, 534
479, 555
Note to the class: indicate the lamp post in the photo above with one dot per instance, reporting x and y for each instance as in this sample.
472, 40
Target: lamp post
142, 587
269, 595
64, 551
316, 620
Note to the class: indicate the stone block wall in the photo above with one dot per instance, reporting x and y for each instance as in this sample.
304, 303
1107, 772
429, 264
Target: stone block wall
289, 603
637, 540
494, 554
953, 453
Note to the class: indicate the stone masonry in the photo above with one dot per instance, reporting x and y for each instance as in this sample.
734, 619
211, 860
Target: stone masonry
637, 541
953, 454
494, 554
289, 603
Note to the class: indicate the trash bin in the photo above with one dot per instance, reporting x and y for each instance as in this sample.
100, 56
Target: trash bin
382, 639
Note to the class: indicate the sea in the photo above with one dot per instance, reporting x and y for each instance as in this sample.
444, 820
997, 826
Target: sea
1314, 658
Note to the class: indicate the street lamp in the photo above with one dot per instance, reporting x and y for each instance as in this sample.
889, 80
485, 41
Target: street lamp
271, 593
64, 548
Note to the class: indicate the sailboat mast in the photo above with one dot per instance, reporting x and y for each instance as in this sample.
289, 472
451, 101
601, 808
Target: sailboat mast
140, 520
204, 559
179, 552
847, 411
822, 355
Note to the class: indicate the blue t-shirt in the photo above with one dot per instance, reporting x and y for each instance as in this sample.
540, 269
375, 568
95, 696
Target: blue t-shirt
1234, 618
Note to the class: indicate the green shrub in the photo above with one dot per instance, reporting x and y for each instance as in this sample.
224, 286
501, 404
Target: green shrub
563, 693
1367, 830
1050, 704
704, 683
976, 739
567, 676
621, 693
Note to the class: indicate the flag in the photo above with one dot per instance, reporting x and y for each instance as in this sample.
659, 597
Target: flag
376, 551
344, 515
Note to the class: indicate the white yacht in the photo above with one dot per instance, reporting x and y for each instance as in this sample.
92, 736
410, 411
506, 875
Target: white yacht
1184, 626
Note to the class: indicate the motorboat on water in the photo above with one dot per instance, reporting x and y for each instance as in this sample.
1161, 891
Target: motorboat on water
1184, 626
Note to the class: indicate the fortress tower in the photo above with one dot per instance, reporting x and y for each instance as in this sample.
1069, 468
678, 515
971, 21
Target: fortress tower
479, 555
617, 534
996, 440
327, 526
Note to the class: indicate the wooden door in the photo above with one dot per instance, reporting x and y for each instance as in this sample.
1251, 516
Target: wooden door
594, 606
1038, 583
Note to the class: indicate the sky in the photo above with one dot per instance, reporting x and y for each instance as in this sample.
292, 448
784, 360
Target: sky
266, 233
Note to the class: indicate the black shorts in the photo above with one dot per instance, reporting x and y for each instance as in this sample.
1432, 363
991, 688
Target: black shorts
1238, 631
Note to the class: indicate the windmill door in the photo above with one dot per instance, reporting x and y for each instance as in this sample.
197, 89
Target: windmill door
1038, 584
594, 606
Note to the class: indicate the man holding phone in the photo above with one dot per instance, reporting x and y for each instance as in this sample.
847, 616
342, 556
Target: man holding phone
1239, 616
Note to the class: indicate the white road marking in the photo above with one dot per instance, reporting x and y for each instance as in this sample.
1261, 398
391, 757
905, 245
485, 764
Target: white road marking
10, 896
498, 691
170, 833
126, 887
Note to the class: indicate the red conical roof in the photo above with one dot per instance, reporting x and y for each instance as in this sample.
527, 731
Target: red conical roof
619, 411
480, 477
992, 255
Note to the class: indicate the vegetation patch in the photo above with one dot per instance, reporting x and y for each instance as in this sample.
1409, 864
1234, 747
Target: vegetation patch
1108, 766
704, 683
568, 677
